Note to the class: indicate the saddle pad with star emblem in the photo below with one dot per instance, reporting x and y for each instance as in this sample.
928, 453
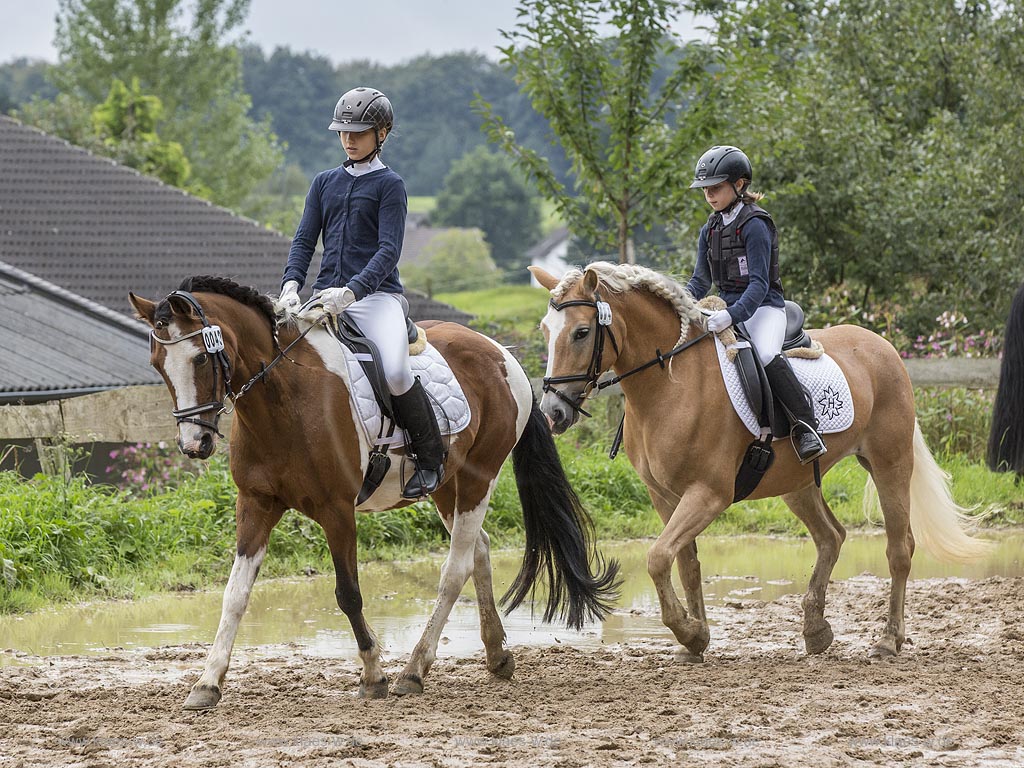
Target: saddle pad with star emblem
823, 378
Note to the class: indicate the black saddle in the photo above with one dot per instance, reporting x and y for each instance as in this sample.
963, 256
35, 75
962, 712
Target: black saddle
773, 421
347, 331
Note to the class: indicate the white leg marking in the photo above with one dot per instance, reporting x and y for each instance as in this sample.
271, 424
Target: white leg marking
456, 572
236, 598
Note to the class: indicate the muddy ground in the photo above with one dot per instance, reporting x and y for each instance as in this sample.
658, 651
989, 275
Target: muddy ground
955, 697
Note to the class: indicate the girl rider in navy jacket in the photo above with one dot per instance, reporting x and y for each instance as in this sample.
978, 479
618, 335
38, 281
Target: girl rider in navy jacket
738, 252
359, 209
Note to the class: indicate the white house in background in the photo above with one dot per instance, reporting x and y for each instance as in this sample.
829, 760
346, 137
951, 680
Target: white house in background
551, 254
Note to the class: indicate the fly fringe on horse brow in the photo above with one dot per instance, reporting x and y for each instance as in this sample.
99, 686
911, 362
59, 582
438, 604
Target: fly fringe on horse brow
938, 523
559, 536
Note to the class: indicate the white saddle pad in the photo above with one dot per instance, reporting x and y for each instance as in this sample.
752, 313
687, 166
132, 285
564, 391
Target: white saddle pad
833, 404
437, 378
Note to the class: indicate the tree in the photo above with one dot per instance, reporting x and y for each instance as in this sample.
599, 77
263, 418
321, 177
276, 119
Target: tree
456, 260
484, 190
126, 124
602, 105
879, 131
22, 79
191, 66
122, 128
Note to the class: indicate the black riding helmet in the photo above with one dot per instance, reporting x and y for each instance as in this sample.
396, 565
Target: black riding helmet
721, 163
362, 109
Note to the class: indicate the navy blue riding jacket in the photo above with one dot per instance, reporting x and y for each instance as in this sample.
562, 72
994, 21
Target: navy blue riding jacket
362, 220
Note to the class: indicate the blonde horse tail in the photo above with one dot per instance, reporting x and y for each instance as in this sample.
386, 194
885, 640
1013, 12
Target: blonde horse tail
938, 522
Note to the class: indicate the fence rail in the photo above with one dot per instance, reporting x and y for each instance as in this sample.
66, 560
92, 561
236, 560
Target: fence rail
142, 414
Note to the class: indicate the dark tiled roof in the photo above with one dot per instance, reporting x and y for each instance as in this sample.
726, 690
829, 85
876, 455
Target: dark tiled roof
54, 343
100, 229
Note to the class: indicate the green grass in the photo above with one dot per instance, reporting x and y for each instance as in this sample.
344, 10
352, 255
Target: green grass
522, 305
64, 541
550, 219
422, 204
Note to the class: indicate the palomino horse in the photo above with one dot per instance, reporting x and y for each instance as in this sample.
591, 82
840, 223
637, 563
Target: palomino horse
686, 442
294, 444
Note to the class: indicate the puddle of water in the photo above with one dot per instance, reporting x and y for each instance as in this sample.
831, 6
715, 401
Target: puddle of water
398, 598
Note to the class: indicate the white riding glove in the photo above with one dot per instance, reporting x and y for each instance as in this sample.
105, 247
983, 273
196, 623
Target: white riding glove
289, 298
719, 321
335, 300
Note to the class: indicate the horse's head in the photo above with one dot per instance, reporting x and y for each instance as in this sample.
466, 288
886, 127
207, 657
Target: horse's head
581, 336
193, 355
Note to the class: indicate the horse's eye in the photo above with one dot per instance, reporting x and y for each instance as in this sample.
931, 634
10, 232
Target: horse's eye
581, 333
200, 359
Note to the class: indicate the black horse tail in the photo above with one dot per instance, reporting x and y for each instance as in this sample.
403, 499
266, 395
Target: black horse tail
559, 536
1006, 440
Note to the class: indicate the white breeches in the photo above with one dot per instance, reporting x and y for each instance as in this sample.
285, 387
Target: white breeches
381, 318
767, 329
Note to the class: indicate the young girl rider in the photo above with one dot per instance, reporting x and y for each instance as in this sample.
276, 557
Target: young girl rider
359, 208
738, 252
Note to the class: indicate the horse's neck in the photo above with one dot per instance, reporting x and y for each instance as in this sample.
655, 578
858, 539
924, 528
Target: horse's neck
650, 325
654, 328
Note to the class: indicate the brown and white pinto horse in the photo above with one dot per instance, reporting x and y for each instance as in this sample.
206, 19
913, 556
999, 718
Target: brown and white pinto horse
685, 440
294, 444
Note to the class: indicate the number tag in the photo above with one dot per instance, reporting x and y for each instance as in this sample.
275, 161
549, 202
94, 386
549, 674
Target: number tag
213, 339
604, 313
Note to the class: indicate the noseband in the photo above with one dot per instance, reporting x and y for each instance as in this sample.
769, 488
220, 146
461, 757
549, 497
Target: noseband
594, 370
213, 340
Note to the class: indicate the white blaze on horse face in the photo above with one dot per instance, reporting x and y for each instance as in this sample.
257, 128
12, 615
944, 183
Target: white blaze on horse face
182, 374
554, 322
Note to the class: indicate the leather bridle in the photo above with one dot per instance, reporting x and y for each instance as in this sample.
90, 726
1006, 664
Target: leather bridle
594, 370
213, 341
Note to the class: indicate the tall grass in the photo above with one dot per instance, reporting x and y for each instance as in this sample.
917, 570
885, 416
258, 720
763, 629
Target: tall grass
65, 539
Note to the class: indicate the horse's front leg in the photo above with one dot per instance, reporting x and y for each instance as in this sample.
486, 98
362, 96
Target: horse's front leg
255, 517
697, 507
689, 565
340, 529
465, 529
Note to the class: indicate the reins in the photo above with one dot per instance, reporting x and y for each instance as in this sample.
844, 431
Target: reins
213, 341
594, 370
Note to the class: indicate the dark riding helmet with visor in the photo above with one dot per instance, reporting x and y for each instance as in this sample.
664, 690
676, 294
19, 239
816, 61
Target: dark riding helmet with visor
360, 110
721, 163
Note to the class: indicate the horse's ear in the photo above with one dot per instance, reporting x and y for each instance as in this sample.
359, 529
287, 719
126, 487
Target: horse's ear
590, 280
144, 308
180, 307
543, 277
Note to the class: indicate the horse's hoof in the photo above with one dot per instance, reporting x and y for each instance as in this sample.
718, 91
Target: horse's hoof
883, 650
408, 685
684, 656
819, 641
378, 690
504, 668
202, 697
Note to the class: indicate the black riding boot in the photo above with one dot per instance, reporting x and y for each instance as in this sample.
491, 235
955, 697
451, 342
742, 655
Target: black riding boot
787, 387
416, 416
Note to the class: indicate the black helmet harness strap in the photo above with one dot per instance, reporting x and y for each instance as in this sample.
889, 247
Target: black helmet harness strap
376, 151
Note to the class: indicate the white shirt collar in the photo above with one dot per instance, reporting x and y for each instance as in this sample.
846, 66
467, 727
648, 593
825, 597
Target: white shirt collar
730, 216
359, 169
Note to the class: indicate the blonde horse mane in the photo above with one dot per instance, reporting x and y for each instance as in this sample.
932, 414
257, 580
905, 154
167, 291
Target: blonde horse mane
625, 277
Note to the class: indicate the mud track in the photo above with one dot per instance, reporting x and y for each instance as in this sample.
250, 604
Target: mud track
953, 698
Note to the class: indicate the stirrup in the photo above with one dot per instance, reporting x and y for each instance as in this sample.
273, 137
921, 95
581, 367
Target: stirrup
416, 488
800, 429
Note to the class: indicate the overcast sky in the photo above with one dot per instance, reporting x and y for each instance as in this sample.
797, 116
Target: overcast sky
400, 29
